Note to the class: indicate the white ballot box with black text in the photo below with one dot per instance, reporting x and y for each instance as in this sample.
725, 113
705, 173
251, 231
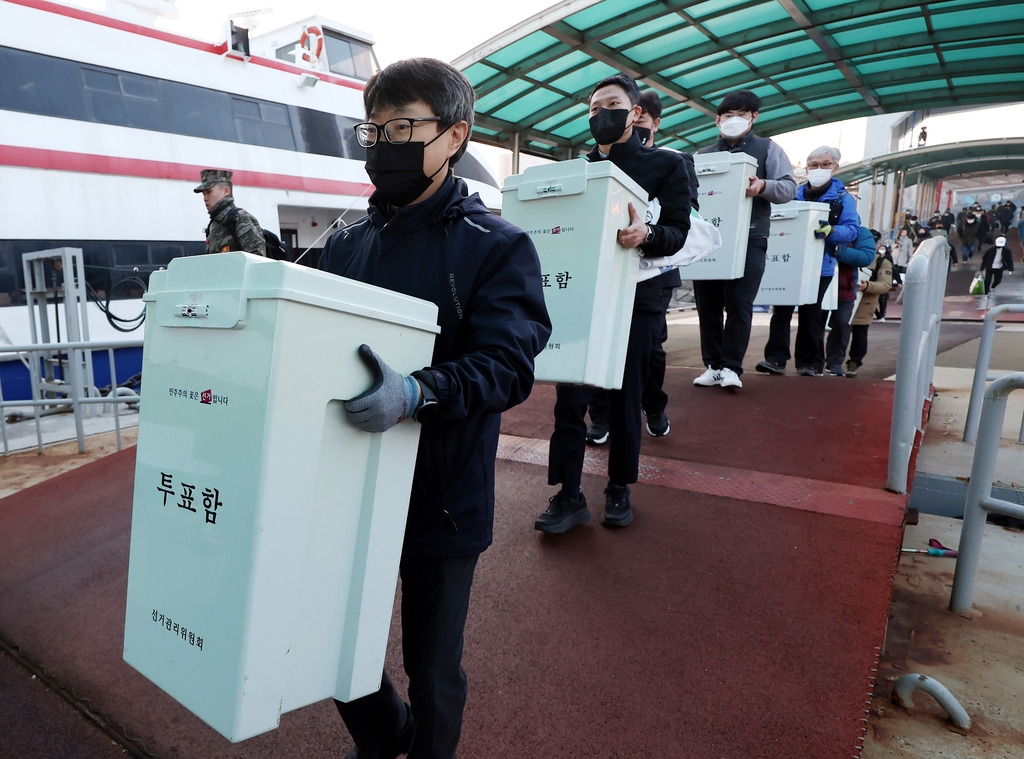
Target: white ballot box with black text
792, 268
573, 211
266, 529
723, 179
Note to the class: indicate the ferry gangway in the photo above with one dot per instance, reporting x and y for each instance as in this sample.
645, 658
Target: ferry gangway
79, 397
924, 288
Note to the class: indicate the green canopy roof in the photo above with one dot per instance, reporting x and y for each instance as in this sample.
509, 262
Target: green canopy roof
811, 62
942, 161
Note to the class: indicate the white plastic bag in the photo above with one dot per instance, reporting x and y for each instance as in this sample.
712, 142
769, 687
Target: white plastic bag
702, 240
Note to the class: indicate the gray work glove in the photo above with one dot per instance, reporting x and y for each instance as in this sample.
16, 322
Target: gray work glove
390, 399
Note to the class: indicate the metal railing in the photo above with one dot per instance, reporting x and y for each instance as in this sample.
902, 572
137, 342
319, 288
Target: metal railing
981, 374
924, 287
78, 394
979, 491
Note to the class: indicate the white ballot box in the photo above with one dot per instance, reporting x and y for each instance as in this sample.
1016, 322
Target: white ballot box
573, 211
723, 180
266, 529
792, 268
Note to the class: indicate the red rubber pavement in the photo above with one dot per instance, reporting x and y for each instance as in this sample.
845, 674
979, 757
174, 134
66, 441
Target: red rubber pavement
740, 615
712, 627
823, 428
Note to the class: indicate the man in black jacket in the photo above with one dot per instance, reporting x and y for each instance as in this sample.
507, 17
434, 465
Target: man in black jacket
655, 399
425, 238
668, 177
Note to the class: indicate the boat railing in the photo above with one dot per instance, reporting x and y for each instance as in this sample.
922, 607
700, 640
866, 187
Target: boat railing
979, 492
78, 395
924, 287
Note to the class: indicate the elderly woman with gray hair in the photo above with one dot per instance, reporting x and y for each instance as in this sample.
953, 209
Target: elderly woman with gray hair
842, 230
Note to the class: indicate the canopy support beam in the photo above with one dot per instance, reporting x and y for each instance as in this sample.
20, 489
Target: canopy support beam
800, 17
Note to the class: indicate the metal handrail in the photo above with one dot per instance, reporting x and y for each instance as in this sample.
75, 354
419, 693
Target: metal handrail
979, 491
78, 394
924, 287
988, 334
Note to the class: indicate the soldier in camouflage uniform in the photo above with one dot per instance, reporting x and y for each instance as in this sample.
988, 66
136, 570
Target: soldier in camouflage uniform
230, 228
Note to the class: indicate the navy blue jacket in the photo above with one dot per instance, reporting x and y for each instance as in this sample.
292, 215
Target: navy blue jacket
484, 275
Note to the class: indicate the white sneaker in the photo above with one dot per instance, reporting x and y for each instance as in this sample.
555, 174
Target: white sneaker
709, 378
729, 378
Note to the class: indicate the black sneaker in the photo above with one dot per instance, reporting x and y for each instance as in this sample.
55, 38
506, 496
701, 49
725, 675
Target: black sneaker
658, 425
597, 435
808, 371
618, 511
562, 514
770, 367
399, 746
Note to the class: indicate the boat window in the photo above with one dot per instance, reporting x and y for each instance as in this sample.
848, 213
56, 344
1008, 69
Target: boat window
101, 81
49, 86
131, 255
365, 61
276, 114
286, 52
349, 57
139, 87
246, 109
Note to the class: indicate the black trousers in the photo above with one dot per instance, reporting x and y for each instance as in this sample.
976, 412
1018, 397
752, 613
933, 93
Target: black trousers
723, 342
435, 602
569, 440
883, 304
810, 333
992, 279
859, 343
654, 400
839, 336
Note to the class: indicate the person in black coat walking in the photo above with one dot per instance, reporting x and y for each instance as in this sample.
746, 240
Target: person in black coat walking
996, 260
426, 237
669, 178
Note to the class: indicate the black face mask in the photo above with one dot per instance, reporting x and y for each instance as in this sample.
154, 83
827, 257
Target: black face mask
607, 126
644, 134
397, 170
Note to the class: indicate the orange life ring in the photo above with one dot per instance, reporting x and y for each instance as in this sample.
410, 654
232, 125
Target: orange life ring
311, 56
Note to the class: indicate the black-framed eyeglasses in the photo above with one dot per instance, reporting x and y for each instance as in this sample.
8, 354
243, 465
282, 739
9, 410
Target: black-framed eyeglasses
395, 131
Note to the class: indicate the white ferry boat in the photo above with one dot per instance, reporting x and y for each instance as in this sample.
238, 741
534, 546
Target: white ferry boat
106, 122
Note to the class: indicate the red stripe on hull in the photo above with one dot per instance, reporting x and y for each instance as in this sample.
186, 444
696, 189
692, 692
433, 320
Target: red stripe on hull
86, 163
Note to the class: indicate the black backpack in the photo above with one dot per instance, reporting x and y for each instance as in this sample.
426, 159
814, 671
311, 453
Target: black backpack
276, 249
835, 209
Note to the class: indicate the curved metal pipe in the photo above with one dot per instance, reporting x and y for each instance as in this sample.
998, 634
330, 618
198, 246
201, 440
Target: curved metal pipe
903, 694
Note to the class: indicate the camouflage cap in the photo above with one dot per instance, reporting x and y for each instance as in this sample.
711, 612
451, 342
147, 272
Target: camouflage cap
211, 177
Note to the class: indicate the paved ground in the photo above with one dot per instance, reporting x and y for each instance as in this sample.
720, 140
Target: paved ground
979, 657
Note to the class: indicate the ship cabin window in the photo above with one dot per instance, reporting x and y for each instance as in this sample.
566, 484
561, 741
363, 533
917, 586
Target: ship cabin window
287, 52
349, 57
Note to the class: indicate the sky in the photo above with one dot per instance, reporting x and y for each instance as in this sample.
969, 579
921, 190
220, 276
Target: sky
448, 29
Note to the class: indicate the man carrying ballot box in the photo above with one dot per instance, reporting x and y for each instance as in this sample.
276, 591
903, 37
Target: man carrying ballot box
425, 238
724, 344
670, 178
